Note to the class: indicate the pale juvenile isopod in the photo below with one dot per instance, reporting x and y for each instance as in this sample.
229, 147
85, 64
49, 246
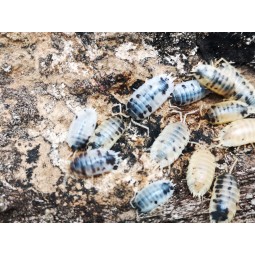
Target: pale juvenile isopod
200, 172
188, 92
237, 133
228, 111
107, 133
225, 80
170, 143
152, 196
81, 129
225, 196
95, 162
150, 96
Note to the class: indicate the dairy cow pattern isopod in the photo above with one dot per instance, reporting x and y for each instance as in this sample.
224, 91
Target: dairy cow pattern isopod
225, 80
95, 162
152, 196
81, 129
169, 145
150, 96
228, 111
107, 133
188, 92
225, 196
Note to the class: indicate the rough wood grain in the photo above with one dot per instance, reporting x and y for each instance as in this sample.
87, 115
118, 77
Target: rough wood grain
46, 77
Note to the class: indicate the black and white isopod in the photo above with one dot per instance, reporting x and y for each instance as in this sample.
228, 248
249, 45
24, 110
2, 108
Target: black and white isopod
225, 80
225, 196
152, 196
81, 129
188, 92
150, 96
96, 162
107, 133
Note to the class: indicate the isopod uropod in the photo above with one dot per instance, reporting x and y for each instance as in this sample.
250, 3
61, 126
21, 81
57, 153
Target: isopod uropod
225, 80
95, 162
188, 92
150, 96
237, 133
170, 143
228, 111
201, 172
107, 133
225, 196
81, 128
152, 196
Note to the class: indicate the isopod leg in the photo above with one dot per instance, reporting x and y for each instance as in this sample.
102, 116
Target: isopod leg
173, 106
140, 125
188, 113
233, 165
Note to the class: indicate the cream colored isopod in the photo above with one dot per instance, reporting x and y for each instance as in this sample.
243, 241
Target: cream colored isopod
237, 133
201, 172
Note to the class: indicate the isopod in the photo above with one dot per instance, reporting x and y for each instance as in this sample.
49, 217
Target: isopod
152, 196
237, 133
150, 96
81, 128
225, 196
95, 162
225, 80
170, 143
201, 172
228, 111
107, 133
188, 92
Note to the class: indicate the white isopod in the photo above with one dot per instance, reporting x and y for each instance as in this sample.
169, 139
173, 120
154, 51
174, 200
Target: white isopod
107, 133
201, 172
152, 196
81, 128
169, 145
237, 133
150, 96
95, 162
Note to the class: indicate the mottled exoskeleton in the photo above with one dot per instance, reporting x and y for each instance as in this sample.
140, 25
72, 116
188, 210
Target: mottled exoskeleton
228, 111
95, 162
150, 96
152, 196
225, 80
169, 145
107, 133
188, 92
225, 196
81, 129
237, 133
201, 172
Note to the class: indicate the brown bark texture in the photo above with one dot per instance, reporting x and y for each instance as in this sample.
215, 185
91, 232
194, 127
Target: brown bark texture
45, 78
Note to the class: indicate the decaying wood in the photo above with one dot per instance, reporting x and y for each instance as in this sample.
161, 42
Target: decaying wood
46, 77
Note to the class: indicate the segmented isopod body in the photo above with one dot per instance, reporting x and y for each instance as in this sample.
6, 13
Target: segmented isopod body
225, 80
107, 133
225, 196
95, 162
228, 111
169, 145
201, 172
153, 195
82, 128
188, 92
237, 133
150, 96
